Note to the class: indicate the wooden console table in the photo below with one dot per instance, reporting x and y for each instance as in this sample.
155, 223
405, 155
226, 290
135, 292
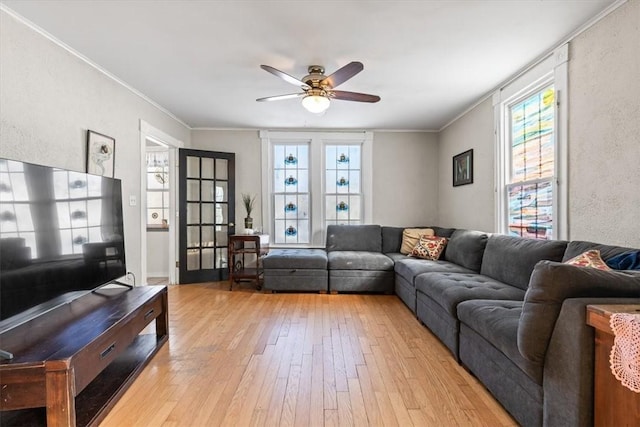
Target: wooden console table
79, 358
241, 245
614, 405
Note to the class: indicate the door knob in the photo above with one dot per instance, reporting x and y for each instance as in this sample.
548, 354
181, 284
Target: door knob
231, 224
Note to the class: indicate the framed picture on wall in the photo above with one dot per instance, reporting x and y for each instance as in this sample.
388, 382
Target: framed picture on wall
463, 168
101, 154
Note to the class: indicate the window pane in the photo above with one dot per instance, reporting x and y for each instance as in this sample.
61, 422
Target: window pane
208, 193
154, 199
222, 167
531, 210
532, 137
221, 191
342, 184
207, 171
193, 190
532, 140
193, 213
193, 167
207, 213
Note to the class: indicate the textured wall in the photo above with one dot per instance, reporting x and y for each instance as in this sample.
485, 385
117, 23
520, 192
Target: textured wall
469, 206
604, 130
48, 100
405, 174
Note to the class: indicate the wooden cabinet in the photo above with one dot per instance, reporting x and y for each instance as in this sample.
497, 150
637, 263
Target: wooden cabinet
614, 404
245, 249
72, 363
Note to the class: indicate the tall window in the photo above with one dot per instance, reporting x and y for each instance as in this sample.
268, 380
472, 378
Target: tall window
532, 157
314, 179
343, 192
291, 193
158, 190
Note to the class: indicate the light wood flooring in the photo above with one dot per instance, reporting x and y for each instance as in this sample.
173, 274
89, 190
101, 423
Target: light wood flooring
245, 358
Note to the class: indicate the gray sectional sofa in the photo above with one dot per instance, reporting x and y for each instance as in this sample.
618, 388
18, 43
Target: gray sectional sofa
507, 308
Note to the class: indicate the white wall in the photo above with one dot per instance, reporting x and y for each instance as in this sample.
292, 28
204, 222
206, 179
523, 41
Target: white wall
405, 175
604, 142
604, 130
157, 254
468, 206
49, 98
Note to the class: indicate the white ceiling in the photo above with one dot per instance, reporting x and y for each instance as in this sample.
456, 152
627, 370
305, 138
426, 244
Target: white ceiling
427, 60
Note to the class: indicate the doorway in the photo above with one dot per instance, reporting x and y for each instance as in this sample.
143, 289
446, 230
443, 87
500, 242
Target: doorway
207, 211
158, 204
158, 211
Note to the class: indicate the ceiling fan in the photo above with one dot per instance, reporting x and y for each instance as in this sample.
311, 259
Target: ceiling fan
320, 89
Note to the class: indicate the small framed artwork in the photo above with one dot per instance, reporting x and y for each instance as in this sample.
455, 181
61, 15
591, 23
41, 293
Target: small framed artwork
463, 168
101, 154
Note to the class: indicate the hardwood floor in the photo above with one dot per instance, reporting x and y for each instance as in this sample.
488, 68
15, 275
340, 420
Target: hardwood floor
246, 358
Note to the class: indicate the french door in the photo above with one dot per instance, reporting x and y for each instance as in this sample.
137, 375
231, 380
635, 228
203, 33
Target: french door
207, 212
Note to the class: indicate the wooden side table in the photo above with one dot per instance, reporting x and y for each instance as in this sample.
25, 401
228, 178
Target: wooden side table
614, 404
241, 245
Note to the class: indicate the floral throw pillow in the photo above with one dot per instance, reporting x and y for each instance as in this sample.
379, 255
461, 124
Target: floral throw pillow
590, 259
429, 247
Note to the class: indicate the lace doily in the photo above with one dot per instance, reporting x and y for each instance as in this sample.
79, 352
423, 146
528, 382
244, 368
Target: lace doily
625, 353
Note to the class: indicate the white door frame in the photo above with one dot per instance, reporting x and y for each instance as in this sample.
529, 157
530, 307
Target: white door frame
148, 132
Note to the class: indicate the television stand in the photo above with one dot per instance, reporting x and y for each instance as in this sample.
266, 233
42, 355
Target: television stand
78, 359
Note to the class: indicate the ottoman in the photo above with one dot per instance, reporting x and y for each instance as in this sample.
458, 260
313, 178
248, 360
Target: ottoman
296, 270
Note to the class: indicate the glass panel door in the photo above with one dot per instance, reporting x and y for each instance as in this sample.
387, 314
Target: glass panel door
207, 212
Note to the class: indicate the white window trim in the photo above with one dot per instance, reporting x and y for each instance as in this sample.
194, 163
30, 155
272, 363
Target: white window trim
552, 69
317, 142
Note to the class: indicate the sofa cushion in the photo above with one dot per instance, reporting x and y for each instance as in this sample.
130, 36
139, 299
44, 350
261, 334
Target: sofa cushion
442, 231
511, 259
354, 238
577, 247
359, 260
450, 289
391, 239
429, 247
466, 248
409, 268
295, 258
552, 283
411, 237
497, 322
396, 256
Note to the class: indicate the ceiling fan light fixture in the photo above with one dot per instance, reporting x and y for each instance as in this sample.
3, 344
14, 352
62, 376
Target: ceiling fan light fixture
316, 103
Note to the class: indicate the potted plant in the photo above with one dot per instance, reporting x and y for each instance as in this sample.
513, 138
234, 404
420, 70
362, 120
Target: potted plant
248, 201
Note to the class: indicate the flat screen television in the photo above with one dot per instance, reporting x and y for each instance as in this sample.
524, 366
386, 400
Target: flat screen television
60, 232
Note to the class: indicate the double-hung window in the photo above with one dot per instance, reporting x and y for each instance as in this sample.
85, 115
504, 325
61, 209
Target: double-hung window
531, 173
291, 193
530, 185
312, 180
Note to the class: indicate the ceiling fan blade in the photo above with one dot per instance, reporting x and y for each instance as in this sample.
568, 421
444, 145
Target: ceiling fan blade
353, 96
284, 76
281, 97
343, 74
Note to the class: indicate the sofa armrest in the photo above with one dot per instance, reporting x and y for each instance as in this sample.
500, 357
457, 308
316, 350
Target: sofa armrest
551, 283
569, 365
